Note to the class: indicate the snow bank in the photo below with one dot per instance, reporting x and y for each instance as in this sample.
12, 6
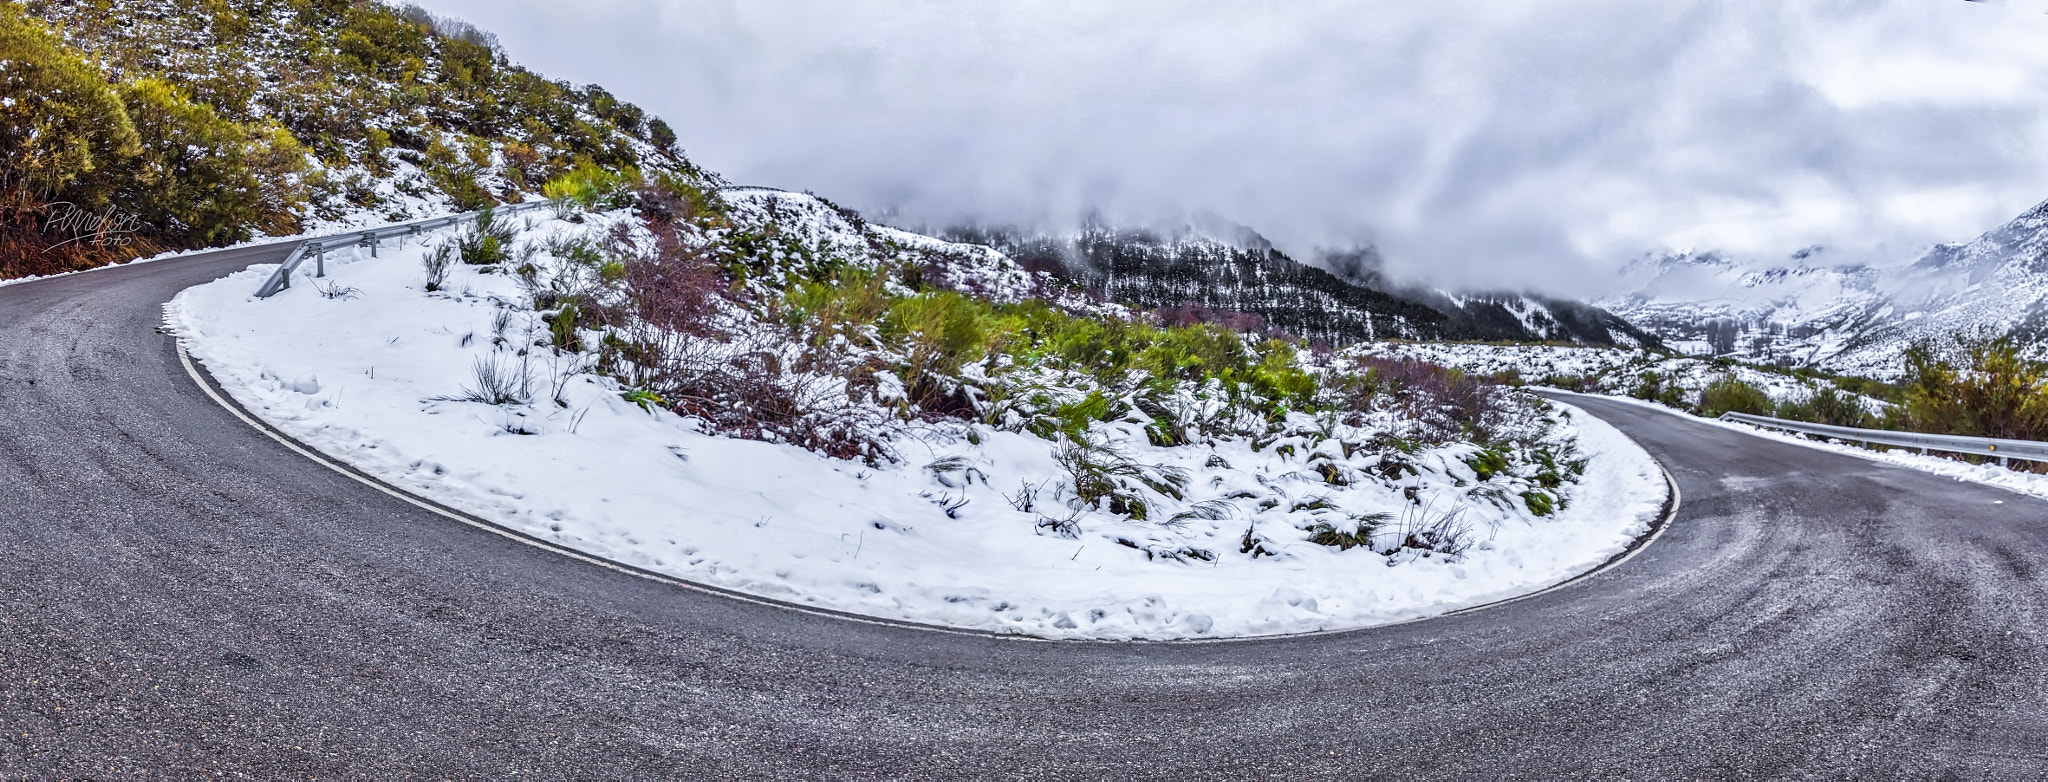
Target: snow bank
369, 374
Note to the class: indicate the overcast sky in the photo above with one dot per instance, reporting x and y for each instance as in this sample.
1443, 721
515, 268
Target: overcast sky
1498, 143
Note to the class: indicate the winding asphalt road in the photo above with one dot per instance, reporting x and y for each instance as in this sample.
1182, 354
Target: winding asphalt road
180, 595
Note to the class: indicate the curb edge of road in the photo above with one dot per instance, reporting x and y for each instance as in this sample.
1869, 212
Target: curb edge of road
213, 390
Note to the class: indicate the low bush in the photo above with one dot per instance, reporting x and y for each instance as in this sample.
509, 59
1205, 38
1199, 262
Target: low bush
1975, 384
1575, 383
1730, 395
1443, 404
1102, 477
935, 334
1357, 531
590, 187
486, 240
1653, 386
1828, 406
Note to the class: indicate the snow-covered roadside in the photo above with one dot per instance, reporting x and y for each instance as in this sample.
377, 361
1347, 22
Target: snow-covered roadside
1537, 361
1987, 474
367, 376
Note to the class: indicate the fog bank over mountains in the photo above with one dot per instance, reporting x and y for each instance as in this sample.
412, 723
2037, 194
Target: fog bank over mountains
1493, 144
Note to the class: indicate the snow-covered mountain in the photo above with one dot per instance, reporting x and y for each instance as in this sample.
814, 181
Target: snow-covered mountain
1341, 298
1846, 318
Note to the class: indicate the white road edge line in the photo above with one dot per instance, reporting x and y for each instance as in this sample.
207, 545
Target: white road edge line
205, 385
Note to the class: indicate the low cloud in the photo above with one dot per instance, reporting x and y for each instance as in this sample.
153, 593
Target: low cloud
1488, 143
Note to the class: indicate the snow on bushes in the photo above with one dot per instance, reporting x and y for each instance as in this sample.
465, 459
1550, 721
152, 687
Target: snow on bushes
758, 390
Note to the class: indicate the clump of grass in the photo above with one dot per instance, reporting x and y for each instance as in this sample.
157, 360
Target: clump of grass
1449, 534
1488, 463
437, 265
486, 241
1358, 531
1315, 503
1254, 544
1206, 510
498, 383
562, 331
1102, 475
335, 290
956, 472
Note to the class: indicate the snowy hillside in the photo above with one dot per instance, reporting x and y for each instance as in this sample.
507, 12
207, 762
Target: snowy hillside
1850, 319
1080, 474
276, 118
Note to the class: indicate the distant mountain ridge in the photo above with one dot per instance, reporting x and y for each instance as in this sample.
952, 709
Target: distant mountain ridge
1847, 318
1344, 299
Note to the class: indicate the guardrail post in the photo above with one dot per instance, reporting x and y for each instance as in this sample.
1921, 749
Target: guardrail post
319, 263
373, 245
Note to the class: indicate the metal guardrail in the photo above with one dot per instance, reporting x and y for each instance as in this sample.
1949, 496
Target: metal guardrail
316, 248
2026, 450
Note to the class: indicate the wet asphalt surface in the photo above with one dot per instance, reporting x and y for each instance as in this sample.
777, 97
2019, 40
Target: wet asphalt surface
181, 596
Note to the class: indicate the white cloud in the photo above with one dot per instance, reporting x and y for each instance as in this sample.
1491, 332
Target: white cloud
1498, 142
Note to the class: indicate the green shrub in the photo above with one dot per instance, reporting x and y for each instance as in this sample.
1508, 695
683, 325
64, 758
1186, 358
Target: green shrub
367, 83
1101, 348
938, 333
1978, 385
1730, 395
1357, 532
455, 172
63, 123
1653, 386
203, 178
592, 187
858, 297
1867, 387
1279, 377
1488, 463
1827, 406
562, 329
1191, 353
487, 240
